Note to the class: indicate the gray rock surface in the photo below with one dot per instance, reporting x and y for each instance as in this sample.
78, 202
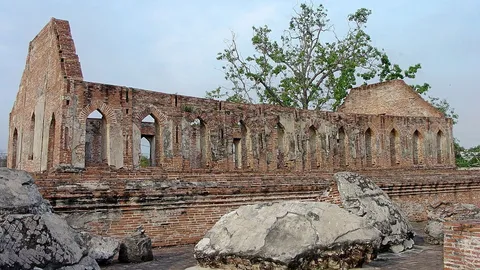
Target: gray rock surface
434, 231
443, 211
31, 236
19, 194
361, 196
293, 235
102, 249
136, 248
44, 241
87, 263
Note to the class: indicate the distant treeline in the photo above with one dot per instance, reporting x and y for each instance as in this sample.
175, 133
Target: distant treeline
3, 159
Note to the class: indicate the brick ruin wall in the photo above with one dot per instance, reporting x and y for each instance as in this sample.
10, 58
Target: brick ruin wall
461, 248
178, 208
50, 127
207, 156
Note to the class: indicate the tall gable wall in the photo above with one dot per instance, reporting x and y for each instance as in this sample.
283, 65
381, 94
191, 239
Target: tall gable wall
50, 63
389, 98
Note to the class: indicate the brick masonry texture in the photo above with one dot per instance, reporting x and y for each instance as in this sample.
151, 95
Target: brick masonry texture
50, 125
208, 157
461, 245
178, 208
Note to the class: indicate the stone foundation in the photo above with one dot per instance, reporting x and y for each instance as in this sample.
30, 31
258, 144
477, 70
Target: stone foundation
178, 208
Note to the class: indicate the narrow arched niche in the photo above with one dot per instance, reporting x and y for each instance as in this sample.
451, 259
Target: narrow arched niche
415, 147
439, 145
342, 157
51, 142
31, 137
393, 145
368, 148
312, 141
96, 139
280, 145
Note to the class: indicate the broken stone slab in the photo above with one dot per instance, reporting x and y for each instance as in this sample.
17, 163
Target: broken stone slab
361, 196
288, 235
87, 263
43, 241
20, 195
31, 236
136, 248
101, 248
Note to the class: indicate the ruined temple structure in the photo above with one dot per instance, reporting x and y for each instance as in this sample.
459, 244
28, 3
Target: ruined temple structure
384, 125
208, 157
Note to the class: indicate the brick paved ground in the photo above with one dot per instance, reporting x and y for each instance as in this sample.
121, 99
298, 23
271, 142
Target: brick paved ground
422, 257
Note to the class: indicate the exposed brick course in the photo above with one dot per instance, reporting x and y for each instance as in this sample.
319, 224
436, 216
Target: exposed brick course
178, 208
461, 248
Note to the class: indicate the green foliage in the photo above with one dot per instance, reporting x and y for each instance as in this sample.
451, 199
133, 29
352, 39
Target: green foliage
310, 66
443, 106
301, 69
188, 108
466, 158
144, 161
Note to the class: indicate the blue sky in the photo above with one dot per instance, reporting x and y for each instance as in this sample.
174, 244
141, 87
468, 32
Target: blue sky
171, 46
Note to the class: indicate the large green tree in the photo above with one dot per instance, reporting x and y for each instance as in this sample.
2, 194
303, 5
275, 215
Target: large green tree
310, 66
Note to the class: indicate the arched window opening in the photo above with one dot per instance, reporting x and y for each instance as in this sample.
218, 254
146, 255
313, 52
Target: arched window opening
368, 147
96, 141
150, 141
393, 147
51, 142
146, 150
312, 135
31, 137
199, 157
148, 119
415, 146
280, 146
341, 147
439, 147
14, 149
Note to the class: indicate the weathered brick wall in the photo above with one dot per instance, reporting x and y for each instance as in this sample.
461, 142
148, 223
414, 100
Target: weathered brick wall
36, 121
178, 208
194, 133
414, 191
461, 248
399, 99
173, 208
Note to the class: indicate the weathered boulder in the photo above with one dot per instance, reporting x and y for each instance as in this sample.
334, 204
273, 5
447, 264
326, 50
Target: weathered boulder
101, 248
31, 236
443, 211
136, 248
20, 195
361, 196
44, 241
288, 235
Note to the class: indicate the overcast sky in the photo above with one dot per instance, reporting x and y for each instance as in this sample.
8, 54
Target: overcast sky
171, 46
